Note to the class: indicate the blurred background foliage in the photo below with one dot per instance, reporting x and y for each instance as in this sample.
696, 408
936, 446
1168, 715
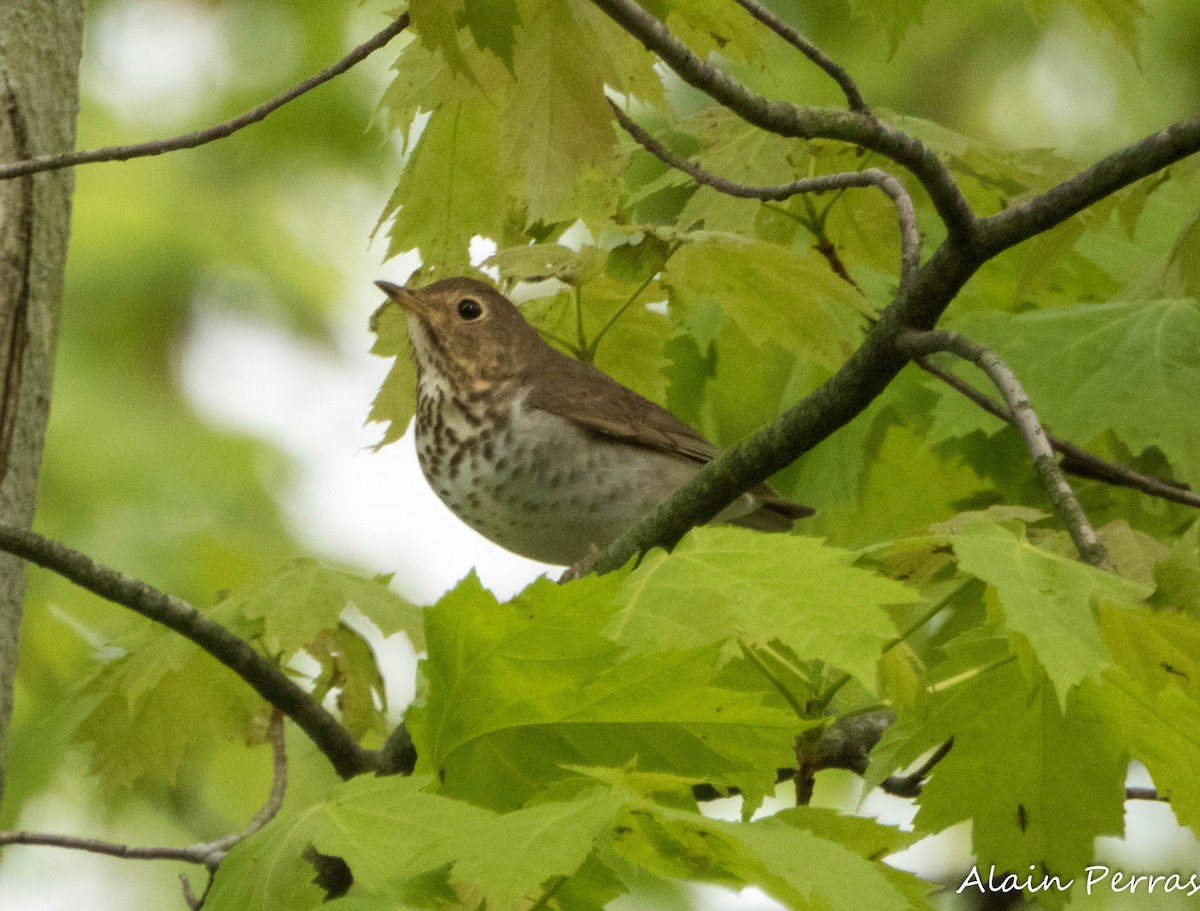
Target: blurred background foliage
267, 234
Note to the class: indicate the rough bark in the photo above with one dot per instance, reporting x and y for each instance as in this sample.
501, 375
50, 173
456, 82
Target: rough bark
40, 45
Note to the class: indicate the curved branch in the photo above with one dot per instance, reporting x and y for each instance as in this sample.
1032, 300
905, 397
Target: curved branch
209, 854
910, 236
922, 344
801, 43
836, 402
13, 169
1130, 164
264, 677
804, 122
215, 851
1076, 460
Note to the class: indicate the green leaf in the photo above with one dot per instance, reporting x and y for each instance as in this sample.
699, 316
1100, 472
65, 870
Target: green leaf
492, 24
268, 871
709, 26
306, 597
641, 258
1048, 601
166, 696
557, 123
394, 403
736, 151
1039, 782
448, 191
515, 692
538, 262
1162, 731
726, 585
159, 703
624, 338
348, 666
1088, 369
392, 829
771, 294
787, 855
1178, 574
423, 82
1154, 692
436, 21
1183, 268
894, 17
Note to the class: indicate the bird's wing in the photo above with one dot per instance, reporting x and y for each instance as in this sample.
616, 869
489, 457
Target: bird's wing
614, 411
618, 412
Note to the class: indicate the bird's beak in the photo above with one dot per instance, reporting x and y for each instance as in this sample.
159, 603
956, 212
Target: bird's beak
407, 299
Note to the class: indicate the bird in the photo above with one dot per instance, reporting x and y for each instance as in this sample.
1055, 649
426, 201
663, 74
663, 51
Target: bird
539, 452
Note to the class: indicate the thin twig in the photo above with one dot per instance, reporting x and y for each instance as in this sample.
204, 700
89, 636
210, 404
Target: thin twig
913, 784
594, 344
788, 695
219, 848
910, 236
921, 344
200, 137
1076, 460
928, 614
877, 361
1128, 165
801, 121
190, 898
207, 854
262, 675
806, 47
1145, 794
910, 785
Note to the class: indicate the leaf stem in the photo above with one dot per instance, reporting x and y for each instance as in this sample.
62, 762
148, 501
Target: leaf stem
559, 340
936, 608
971, 674
595, 343
585, 353
756, 660
787, 663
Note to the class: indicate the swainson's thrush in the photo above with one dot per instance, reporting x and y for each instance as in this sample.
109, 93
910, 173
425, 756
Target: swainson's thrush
541, 453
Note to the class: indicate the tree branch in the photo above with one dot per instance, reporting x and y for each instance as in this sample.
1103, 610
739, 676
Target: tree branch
805, 122
200, 137
264, 677
921, 344
207, 854
801, 43
1076, 460
833, 404
1130, 164
910, 236
216, 850
910, 785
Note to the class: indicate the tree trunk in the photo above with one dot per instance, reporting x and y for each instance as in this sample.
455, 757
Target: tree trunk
40, 45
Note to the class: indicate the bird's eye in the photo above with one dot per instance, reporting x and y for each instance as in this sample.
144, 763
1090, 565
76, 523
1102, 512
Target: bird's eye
469, 308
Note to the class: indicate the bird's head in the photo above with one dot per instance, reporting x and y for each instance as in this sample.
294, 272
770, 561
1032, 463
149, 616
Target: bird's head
465, 329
